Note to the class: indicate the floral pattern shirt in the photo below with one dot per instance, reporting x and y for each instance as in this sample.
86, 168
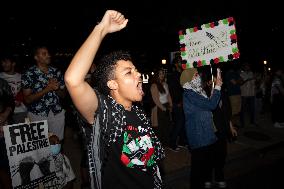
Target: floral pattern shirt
36, 80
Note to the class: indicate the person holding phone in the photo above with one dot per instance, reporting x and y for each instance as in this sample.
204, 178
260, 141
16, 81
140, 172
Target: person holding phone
199, 126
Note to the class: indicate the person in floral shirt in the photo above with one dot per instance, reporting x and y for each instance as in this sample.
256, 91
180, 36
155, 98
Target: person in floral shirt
42, 86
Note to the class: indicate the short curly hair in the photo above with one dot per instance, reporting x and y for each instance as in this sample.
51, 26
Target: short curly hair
105, 69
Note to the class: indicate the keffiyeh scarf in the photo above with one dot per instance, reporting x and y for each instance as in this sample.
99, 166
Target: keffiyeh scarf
110, 120
196, 86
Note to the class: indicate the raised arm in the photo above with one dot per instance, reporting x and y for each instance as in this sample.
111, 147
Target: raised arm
81, 92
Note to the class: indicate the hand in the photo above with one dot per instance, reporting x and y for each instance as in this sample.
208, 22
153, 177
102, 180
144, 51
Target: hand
219, 81
113, 21
234, 131
52, 85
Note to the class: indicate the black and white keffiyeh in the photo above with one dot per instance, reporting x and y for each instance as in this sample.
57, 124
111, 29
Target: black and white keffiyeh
196, 85
110, 120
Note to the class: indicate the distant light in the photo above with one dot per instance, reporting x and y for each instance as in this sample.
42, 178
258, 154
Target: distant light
264, 62
164, 61
152, 73
269, 69
145, 78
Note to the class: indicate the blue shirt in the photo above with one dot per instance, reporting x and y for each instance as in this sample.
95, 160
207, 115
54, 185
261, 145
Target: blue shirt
199, 119
36, 80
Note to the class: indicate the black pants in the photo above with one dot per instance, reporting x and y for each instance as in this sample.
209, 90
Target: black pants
201, 166
219, 159
164, 127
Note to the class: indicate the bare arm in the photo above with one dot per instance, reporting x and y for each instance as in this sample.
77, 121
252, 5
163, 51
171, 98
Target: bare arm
233, 129
30, 97
82, 94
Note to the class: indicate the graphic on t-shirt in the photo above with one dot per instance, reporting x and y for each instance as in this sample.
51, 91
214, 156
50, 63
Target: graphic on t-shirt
137, 150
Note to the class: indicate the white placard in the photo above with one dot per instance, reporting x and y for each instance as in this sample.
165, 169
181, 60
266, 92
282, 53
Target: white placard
209, 43
30, 159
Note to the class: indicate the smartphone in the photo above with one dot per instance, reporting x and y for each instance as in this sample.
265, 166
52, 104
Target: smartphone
218, 73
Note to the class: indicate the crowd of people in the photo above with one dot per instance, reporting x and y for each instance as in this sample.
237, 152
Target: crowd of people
123, 143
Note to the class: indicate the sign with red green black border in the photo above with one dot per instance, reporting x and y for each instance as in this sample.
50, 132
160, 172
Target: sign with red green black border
209, 43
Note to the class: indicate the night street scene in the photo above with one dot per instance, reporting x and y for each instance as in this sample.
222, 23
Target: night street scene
189, 96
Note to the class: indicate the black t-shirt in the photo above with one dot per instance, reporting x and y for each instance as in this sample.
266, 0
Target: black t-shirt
129, 159
175, 88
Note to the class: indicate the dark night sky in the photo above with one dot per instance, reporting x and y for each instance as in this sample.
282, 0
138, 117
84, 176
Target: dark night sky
152, 31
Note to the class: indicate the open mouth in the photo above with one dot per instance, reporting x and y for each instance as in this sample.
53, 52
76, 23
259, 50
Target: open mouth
139, 86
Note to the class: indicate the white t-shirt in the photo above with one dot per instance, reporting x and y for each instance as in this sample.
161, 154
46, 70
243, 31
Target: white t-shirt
163, 97
14, 82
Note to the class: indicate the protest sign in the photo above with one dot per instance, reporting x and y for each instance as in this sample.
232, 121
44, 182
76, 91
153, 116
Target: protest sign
30, 159
209, 43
